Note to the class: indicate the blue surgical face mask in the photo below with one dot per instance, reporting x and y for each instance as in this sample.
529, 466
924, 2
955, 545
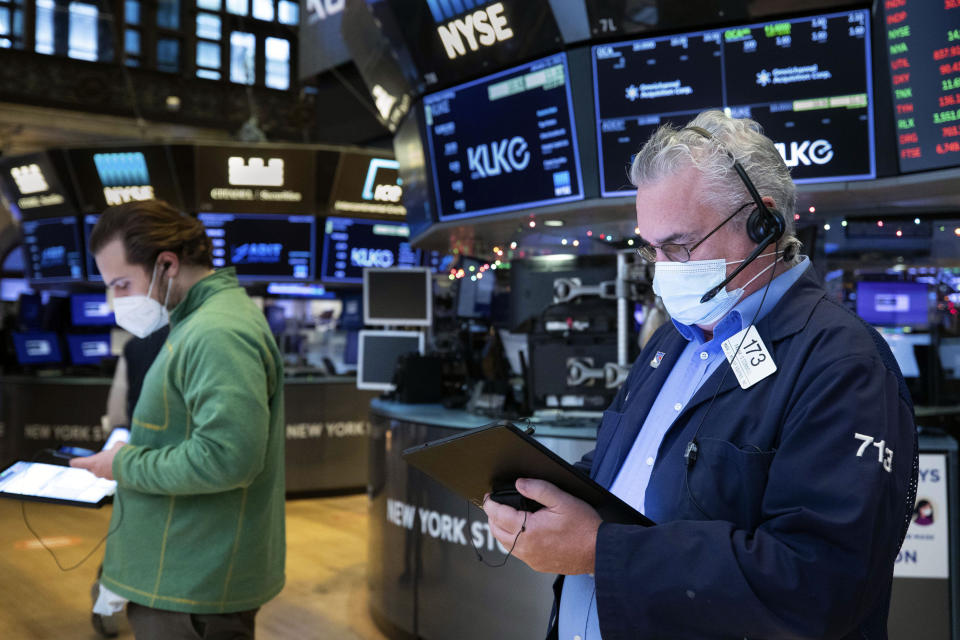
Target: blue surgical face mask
681, 285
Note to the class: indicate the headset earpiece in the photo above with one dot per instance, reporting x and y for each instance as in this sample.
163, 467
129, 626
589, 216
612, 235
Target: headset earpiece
763, 222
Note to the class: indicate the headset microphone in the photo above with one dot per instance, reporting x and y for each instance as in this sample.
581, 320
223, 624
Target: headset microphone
770, 237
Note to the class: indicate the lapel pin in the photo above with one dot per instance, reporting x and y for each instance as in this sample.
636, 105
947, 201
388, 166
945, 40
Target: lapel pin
656, 359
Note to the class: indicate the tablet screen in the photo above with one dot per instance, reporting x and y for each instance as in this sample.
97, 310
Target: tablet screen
53, 483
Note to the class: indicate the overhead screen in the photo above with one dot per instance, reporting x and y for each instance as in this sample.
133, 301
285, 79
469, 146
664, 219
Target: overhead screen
263, 247
349, 245
106, 177
923, 45
53, 249
807, 81
504, 142
34, 186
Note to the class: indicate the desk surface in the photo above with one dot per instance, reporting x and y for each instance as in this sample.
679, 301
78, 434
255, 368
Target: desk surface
437, 415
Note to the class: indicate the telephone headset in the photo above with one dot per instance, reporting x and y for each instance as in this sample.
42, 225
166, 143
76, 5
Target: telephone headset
765, 225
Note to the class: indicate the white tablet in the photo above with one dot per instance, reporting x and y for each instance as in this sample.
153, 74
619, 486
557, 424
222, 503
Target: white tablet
53, 483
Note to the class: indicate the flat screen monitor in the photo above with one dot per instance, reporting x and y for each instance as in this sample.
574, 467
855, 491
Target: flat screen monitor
923, 50
89, 222
350, 245
807, 81
30, 311
263, 246
398, 297
475, 290
37, 347
378, 353
53, 249
532, 281
88, 349
90, 310
894, 303
504, 142
901, 345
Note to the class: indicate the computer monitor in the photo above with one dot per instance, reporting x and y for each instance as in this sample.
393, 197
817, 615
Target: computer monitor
894, 303
30, 311
378, 353
90, 310
263, 247
475, 290
53, 249
89, 222
398, 297
902, 346
37, 347
351, 245
88, 348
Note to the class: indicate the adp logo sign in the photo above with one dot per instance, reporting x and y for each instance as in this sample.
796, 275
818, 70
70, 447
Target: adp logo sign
805, 152
257, 253
497, 157
381, 184
124, 177
480, 27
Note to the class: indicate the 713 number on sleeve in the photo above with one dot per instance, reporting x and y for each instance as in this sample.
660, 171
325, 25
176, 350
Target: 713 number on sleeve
884, 454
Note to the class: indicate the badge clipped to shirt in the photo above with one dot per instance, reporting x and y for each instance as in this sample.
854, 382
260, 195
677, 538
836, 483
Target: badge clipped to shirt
753, 362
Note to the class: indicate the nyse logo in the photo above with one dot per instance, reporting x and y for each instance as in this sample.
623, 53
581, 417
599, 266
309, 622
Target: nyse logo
29, 179
254, 173
381, 258
505, 156
806, 152
374, 189
323, 9
257, 252
485, 27
124, 176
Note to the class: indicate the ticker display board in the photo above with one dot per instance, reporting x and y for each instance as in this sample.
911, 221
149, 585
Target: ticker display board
807, 81
923, 47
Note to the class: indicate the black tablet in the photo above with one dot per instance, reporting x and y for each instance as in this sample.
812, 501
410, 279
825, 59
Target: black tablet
43, 482
472, 463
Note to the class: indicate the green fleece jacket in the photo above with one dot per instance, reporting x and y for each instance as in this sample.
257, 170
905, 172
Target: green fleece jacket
199, 514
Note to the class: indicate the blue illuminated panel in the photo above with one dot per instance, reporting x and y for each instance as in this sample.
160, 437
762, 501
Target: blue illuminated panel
504, 142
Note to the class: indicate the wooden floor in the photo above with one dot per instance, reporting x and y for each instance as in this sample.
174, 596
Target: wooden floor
325, 595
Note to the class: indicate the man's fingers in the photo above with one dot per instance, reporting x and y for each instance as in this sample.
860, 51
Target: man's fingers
542, 491
82, 463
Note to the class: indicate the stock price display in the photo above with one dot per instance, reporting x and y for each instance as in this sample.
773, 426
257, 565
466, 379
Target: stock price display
350, 245
923, 40
504, 142
263, 247
53, 249
806, 81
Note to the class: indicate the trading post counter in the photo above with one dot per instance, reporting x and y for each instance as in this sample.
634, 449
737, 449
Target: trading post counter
423, 573
425, 579
326, 425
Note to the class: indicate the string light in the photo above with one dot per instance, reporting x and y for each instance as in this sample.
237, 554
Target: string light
916, 221
532, 223
843, 224
513, 245
636, 230
899, 233
826, 227
576, 243
796, 216
880, 223
589, 233
812, 209
564, 242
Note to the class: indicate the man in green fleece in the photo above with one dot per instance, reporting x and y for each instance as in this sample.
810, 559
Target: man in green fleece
197, 540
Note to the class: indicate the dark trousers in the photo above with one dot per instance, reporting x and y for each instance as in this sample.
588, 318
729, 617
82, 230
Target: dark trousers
157, 624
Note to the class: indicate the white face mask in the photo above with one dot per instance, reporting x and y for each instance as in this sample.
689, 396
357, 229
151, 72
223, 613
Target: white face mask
142, 315
681, 285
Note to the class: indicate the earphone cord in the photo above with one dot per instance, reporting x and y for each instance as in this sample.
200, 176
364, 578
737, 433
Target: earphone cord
23, 513
480, 558
696, 433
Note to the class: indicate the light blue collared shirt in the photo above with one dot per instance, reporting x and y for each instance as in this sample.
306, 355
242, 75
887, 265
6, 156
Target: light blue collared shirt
700, 358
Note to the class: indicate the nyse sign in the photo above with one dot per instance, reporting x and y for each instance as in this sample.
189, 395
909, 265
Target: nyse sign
485, 27
322, 9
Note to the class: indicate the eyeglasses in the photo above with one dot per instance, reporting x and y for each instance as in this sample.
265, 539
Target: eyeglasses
681, 252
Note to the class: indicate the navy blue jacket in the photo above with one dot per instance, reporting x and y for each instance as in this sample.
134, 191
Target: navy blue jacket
787, 524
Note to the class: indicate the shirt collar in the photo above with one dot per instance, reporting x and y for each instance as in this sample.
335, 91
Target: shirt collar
741, 315
199, 292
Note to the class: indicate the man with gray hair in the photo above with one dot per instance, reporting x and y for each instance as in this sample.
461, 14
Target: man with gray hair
766, 430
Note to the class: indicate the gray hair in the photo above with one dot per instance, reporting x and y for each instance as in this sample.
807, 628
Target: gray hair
671, 150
